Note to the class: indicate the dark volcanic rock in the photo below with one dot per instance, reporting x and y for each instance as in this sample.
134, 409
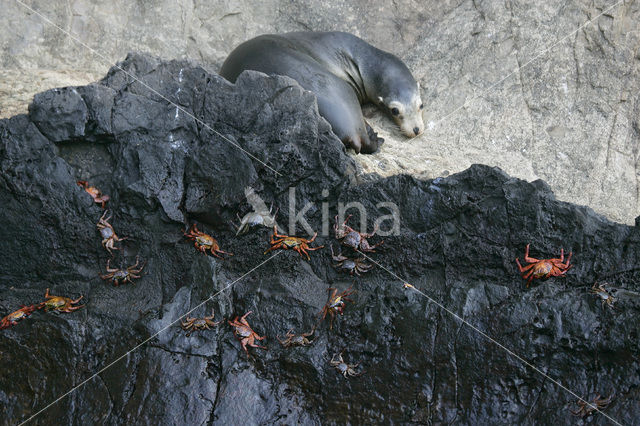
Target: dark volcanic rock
165, 167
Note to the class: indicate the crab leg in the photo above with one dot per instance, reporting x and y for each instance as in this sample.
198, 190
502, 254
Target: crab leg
252, 343
557, 272
375, 229
275, 233
302, 252
527, 258
563, 265
274, 240
273, 247
244, 346
220, 251
525, 268
345, 221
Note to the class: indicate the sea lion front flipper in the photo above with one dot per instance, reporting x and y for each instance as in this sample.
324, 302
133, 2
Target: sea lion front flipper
352, 143
375, 141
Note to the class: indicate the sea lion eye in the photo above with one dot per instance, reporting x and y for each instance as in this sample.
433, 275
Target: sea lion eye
395, 111
421, 106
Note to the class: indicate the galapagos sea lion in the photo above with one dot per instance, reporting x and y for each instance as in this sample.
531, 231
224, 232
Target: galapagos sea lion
344, 72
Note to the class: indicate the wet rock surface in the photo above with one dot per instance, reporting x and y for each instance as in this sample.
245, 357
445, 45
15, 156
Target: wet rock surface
165, 168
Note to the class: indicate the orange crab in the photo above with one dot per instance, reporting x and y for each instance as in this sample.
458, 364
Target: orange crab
14, 317
204, 242
244, 333
285, 242
109, 236
95, 193
59, 303
335, 304
545, 268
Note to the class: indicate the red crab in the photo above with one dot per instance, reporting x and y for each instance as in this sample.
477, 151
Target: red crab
14, 317
244, 333
59, 303
354, 239
123, 276
109, 236
285, 242
545, 268
204, 242
335, 304
94, 192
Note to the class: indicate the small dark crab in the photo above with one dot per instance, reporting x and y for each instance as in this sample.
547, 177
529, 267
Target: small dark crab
354, 239
244, 333
586, 409
256, 218
14, 317
335, 304
109, 236
59, 303
544, 268
345, 369
195, 324
123, 276
603, 294
285, 242
204, 242
95, 193
352, 266
296, 339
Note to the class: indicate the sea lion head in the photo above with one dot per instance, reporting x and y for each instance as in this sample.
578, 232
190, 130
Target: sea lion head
399, 93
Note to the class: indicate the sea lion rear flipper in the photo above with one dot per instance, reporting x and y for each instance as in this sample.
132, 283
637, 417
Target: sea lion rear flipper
374, 141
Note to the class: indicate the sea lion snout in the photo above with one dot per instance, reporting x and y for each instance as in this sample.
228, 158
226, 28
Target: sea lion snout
407, 114
411, 125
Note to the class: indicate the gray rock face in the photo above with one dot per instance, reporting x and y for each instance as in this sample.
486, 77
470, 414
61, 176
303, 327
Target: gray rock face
165, 168
568, 116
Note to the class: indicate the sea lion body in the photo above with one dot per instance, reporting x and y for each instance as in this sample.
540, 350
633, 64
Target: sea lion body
344, 72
